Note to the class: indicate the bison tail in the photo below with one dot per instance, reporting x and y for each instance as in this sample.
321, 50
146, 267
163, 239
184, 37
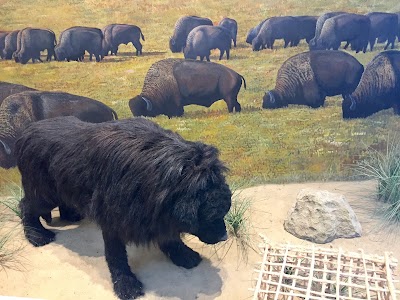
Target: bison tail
244, 81
141, 34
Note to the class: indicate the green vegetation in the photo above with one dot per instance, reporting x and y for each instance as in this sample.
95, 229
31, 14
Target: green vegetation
259, 146
384, 167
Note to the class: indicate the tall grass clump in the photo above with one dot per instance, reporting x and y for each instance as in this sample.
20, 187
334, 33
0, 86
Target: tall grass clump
384, 167
12, 196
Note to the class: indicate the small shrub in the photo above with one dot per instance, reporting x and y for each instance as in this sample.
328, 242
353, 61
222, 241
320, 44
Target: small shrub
384, 167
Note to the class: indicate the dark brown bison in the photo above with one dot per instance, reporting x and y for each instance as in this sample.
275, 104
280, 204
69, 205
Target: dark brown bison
10, 44
140, 183
19, 110
306, 29
253, 32
7, 89
378, 89
182, 28
352, 28
117, 34
202, 39
170, 84
31, 41
384, 27
3, 35
76, 40
232, 27
320, 23
307, 78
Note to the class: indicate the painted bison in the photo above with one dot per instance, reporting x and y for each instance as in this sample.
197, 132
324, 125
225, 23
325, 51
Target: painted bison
352, 28
182, 28
320, 23
31, 41
117, 34
232, 27
10, 44
19, 110
140, 183
202, 39
7, 89
384, 27
307, 78
378, 89
253, 32
170, 84
286, 28
3, 35
74, 41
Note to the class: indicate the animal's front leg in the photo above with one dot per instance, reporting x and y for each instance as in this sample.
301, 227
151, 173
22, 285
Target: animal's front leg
180, 254
126, 285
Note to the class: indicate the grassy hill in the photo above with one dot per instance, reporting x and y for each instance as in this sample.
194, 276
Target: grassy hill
292, 144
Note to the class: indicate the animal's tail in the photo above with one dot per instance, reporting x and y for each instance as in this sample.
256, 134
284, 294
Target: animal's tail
114, 114
141, 34
244, 81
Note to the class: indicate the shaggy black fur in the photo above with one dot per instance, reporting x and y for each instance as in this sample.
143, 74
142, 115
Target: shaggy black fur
140, 183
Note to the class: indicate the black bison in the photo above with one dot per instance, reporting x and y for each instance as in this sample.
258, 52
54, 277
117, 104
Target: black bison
10, 44
320, 23
378, 89
253, 32
352, 28
140, 183
170, 84
117, 34
182, 28
19, 110
31, 41
286, 28
384, 27
76, 40
307, 78
3, 35
7, 89
202, 39
306, 29
232, 26
398, 32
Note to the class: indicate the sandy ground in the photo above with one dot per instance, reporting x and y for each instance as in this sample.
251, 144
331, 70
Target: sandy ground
73, 267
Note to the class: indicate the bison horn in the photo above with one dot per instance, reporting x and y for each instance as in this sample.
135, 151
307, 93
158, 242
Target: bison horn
271, 97
149, 105
353, 103
6, 148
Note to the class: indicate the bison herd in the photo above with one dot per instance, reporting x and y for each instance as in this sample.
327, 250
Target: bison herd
146, 185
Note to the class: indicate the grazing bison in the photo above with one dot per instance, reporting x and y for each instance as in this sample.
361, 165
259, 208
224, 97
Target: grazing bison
352, 28
31, 41
253, 32
202, 39
232, 26
3, 35
7, 89
306, 29
307, 78
10, 44
384, 27
286, 28
182, 28
170, 84
398, 31
19, 110
320, 23
378, 89
140, 183
116, 34
76, 40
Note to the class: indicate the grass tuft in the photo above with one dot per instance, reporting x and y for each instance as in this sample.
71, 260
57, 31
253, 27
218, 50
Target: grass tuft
14, 193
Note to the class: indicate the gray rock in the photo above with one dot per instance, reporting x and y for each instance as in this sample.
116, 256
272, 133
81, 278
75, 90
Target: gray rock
320, 217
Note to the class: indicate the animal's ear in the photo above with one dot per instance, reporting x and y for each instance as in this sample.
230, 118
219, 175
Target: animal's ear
185, 212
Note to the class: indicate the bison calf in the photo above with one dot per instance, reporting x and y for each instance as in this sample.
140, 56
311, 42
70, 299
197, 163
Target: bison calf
170, 84
140, 183
307, 78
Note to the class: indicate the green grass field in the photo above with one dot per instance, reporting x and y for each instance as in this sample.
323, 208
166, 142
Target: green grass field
259, 146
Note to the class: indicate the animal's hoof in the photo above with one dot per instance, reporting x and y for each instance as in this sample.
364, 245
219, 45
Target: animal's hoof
186, 258
128, 287
40, 238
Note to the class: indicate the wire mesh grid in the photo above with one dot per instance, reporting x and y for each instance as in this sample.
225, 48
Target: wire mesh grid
300, 272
